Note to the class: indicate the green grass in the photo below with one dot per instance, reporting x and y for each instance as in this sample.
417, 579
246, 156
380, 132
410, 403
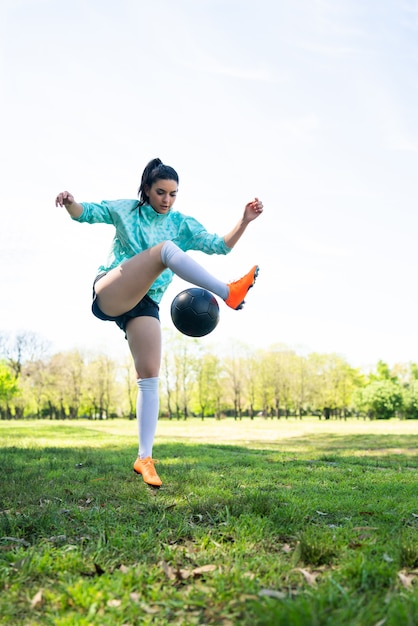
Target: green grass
266, 522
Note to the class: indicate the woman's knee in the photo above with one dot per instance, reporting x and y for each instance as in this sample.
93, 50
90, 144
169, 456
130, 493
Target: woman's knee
146, 370
147, 366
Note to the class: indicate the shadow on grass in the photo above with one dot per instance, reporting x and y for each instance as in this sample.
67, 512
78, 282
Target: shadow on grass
375, 443
55, 463
88, 492
82, 464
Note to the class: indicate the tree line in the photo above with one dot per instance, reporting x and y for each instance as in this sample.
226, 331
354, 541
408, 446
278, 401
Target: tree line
197, 381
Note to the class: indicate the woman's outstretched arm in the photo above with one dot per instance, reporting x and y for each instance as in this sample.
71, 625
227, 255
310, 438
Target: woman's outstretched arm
251, 212
66, 199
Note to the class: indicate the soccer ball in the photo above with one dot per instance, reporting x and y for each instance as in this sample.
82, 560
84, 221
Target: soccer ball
195, 312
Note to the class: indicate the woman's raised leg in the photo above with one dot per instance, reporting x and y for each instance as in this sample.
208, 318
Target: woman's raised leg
124, 286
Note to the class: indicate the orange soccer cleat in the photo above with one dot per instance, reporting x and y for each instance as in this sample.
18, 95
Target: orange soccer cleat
147, 469
239, 289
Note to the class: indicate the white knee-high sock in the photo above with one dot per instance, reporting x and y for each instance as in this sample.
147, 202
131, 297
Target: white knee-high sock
188, 269
147, 409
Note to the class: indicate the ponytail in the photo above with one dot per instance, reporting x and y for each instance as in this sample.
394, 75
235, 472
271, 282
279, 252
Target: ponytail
155, 170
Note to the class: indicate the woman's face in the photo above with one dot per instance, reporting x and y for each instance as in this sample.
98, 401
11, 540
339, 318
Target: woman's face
162, 195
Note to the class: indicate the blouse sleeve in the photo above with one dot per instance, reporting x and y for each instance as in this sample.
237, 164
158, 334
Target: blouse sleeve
95, 213
194, 236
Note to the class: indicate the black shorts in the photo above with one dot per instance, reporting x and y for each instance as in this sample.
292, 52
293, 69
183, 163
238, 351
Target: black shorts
146, 307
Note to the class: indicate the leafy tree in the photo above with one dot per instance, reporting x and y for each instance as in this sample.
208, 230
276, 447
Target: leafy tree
265, 382
383, 372
183, 362
8, 389
37, 388
99, 388
208, 386
62, 379
413, 371
280, 363
382, 399
334, 383
22, 347
250, 382
234, 369
130, 388
166, 377
410, 400
410, 386
301, 384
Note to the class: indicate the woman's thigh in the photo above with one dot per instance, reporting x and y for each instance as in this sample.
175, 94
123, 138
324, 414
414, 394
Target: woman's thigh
124, 286
144, 339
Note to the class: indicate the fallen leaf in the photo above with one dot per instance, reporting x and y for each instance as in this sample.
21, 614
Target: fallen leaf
168, 570
204, 569
134, 596
58, 539
23, 542
36, 600
310, 577
151, 610
406, 579
83, 538
272, 593
182, 574
247, 596
85, 501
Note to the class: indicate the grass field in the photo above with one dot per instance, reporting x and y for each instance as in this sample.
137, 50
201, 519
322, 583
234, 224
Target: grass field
288, 523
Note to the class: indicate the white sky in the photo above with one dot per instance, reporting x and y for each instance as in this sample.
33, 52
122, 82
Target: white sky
312, 105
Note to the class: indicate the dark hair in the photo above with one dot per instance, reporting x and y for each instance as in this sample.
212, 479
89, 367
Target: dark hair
155, 170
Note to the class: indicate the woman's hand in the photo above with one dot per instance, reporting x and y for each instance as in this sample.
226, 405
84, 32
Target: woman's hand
65, 198
253, 209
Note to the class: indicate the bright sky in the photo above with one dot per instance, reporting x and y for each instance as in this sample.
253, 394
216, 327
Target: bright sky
311, 105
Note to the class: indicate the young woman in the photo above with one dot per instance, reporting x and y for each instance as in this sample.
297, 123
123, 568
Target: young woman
148, 248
